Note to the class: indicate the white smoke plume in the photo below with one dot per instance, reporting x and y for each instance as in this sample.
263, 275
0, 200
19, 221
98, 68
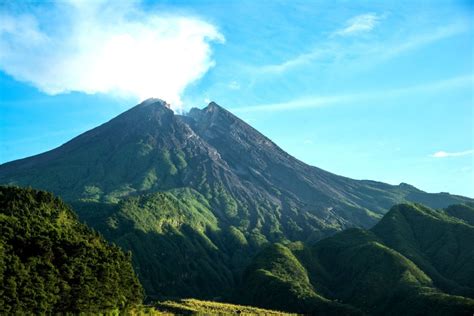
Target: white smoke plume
105, 47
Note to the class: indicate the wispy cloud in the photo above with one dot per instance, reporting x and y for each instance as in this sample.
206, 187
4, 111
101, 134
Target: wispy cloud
362, 54
234, 85
105, 46
444, 154
419, 40
319, 101
300, 60
300, 103
359, 24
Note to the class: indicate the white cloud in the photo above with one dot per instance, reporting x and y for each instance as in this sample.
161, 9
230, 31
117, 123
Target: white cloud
106, 47
319, 101
444, 154
359, 24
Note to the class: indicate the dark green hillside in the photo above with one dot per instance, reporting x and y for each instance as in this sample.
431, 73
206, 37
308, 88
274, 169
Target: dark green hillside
179, 251
357, 268
276, 279
464, 212
51, 263
441, 245
392, 269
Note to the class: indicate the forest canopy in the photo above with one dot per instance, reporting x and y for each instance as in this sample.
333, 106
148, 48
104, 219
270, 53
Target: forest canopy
52, 263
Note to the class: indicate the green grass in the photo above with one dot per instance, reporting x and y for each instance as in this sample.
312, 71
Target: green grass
198, 307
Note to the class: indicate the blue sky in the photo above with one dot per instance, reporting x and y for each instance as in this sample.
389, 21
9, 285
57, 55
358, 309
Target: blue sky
380, 90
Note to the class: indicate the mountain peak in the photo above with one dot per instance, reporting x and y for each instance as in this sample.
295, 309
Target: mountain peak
155, 101
149, 114
213, 112
213, 105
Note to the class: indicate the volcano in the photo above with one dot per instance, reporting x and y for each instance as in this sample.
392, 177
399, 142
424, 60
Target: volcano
206, 182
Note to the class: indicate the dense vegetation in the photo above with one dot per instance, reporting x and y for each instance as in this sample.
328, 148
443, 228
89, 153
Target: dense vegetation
277, 279
179, 250
51, 263
415, 261
442, 245
177, 242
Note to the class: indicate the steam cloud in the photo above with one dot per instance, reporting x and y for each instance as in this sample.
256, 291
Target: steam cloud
105, 47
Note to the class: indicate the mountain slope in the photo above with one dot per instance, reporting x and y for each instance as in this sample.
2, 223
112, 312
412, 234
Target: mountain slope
178, 249
127, 179
464, 212
277, 279
50, 263
442, 245
149, 149
382, 271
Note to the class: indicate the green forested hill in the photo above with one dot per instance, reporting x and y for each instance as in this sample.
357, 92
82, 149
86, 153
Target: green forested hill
51, 263
415, 261
179, 249
440, 244
277, 279
463, 212
167, 233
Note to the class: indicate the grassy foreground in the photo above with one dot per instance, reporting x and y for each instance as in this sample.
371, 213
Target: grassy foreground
198, 307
